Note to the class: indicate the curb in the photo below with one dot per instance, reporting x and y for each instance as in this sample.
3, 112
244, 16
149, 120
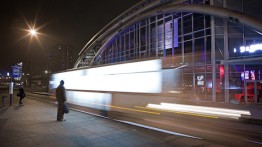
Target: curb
250, 120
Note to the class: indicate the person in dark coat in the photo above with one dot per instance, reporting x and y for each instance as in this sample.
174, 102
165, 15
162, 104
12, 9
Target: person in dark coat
21, 94
61, 99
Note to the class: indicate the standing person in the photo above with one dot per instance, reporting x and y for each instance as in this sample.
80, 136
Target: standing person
61, 99
21, 94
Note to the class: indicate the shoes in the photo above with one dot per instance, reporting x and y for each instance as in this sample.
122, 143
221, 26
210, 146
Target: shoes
61, 120
20, 103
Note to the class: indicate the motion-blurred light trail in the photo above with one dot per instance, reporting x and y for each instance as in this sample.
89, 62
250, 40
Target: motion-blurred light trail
211, 111
178, 112
123, 108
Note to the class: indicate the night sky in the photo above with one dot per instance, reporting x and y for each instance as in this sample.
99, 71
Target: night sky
59, 21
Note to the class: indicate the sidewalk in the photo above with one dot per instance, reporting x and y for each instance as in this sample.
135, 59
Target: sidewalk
34, 124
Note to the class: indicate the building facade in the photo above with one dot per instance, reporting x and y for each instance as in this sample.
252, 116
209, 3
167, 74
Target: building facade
214, 45
62, 57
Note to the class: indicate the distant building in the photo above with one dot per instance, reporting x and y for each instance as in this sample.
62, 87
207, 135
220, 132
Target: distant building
62, 57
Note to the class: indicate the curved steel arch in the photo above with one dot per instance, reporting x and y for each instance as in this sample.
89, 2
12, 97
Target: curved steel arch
236, 17
116, 23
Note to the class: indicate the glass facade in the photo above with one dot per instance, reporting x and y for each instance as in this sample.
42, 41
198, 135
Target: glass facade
184, 42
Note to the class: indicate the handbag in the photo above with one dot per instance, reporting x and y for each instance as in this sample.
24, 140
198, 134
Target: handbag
66, 109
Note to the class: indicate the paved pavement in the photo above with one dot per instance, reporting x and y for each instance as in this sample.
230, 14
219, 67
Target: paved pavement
34, 124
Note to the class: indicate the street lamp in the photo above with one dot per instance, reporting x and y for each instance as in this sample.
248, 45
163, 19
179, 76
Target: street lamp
33, 32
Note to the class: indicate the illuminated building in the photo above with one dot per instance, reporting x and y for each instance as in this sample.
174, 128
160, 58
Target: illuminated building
200, 42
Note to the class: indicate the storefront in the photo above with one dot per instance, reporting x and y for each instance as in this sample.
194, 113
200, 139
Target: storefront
245, 81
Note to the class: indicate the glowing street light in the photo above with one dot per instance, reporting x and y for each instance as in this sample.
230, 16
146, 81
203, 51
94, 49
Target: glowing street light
33, 32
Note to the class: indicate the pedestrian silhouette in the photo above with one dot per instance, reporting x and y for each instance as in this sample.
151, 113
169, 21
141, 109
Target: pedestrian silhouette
61, 99
21, 94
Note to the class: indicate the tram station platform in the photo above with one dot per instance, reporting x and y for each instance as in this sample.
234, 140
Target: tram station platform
34, 124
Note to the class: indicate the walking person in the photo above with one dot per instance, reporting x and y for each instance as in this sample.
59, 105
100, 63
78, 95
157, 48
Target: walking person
61, 99
21, 94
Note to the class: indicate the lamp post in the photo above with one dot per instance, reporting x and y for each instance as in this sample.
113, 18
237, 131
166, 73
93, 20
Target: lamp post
32, 32
11, 90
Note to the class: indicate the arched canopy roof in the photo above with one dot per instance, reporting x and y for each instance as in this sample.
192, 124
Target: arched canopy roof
233, 16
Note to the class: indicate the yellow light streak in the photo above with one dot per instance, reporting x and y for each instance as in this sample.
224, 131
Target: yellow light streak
123, 108
133, 109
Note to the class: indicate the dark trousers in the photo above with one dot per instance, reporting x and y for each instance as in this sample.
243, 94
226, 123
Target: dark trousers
21, 98
60, 111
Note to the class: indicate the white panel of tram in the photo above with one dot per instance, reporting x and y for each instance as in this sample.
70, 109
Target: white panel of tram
144, 77
90, 99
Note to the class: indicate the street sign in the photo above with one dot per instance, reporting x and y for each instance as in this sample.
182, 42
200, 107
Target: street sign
16, 71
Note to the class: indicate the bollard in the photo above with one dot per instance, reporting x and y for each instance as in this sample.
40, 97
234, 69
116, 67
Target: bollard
4, 100
11, 91
11, 99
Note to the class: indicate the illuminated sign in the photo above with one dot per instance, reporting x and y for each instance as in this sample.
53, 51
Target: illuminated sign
200, 80
16, 71
249, 49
